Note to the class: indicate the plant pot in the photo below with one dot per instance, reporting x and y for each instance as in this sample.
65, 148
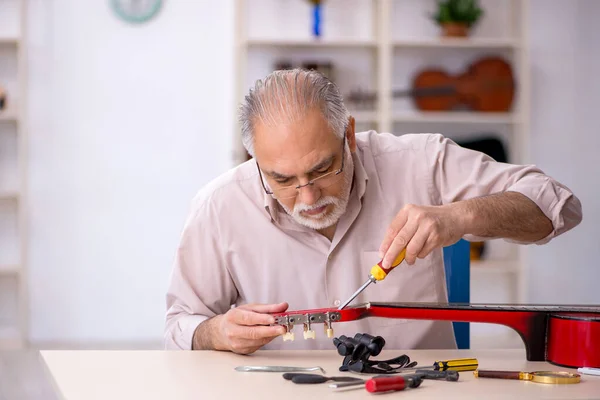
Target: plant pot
453, 29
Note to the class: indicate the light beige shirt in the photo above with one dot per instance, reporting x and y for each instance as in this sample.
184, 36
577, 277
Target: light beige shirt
239, 246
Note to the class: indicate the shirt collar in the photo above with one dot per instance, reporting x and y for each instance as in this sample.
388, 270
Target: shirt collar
361, 178
271, 206
360, 174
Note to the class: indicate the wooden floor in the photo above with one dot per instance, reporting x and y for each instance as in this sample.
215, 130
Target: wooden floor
23, 376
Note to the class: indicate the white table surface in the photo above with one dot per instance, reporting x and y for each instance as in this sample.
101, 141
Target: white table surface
210, 375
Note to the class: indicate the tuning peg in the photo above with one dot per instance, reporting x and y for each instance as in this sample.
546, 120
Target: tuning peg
310, 335
288, 336
328, 329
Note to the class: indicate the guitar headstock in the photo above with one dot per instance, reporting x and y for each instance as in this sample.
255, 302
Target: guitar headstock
325, 316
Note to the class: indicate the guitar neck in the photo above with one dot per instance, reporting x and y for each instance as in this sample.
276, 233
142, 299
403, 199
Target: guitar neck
517, 316
506, 314
574, 308
531, 321
445, 90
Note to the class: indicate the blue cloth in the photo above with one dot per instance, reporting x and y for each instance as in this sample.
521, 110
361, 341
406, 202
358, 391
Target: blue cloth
458, 277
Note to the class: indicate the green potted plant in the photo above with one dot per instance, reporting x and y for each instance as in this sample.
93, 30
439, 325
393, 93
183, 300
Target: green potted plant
457, 17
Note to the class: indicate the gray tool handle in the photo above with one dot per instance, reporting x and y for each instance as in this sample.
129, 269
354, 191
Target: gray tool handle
446, 375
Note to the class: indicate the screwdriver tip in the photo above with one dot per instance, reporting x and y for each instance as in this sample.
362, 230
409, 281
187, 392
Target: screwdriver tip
363, 287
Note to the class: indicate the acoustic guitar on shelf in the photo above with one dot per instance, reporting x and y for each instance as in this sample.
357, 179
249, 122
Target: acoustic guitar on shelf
487, 85
565, 335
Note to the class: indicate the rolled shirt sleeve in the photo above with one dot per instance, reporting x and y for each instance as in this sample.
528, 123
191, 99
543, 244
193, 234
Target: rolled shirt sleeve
461, 174
200, 284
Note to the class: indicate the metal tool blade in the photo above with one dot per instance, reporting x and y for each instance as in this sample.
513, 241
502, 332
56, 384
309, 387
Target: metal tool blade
360, 289
276, 368
346, 384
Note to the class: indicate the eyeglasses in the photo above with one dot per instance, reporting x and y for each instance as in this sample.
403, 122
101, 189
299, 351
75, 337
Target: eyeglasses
322, 181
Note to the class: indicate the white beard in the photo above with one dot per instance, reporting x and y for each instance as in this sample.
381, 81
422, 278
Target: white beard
322, 220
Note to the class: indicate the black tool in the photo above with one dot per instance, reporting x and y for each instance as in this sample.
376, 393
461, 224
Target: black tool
448, 375
360, 348
315, 378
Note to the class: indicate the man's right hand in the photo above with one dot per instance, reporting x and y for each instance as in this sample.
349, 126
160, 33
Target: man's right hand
242, 329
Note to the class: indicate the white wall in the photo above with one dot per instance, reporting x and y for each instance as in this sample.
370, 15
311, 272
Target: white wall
565, 143
126, 123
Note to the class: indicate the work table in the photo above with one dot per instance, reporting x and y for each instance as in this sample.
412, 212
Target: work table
210, 375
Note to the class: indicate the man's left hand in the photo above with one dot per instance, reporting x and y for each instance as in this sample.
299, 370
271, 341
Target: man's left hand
421, 229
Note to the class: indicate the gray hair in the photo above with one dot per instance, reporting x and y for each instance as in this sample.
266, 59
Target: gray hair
287, 95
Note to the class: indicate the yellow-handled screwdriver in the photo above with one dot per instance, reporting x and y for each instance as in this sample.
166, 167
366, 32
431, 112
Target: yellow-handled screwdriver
458, 364
378, 273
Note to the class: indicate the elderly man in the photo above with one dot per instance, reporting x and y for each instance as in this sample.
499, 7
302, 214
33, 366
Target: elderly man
300, 224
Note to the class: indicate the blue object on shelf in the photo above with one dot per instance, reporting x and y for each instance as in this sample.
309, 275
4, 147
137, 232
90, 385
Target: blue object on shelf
317, 19
457, 264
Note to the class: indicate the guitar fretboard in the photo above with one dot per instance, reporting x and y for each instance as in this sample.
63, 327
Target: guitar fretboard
574, 308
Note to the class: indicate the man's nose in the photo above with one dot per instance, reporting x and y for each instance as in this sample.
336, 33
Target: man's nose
309, 194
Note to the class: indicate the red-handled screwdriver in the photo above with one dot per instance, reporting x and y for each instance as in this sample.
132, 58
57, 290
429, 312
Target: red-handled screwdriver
385, 383
376, 385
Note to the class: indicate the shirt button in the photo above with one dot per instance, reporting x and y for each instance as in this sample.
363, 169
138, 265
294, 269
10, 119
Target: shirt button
337, 303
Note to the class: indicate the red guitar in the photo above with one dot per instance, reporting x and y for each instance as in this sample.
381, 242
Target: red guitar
563, 335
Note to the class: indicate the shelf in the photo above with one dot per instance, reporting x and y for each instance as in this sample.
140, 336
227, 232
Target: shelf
470, 43
8, 195
13, 41
8, 270
311, 43
13, 299
455, 117
382, 59
495, 266
410, 43
8, 115
10, 338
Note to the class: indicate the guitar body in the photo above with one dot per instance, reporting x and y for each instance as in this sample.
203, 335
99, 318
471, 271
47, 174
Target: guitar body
434, 90
486, 86
574, 340
568, 336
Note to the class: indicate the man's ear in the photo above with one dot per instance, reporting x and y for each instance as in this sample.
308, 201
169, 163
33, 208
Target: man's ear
350, 134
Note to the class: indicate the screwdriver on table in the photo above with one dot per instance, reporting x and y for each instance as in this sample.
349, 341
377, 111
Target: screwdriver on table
378, 273
385, 383
301, 378
458, 364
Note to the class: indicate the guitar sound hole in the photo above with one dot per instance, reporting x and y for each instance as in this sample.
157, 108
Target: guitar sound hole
291, 320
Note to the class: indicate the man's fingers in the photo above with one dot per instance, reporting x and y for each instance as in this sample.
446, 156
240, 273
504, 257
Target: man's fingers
395, 227
260, 333
431, 244
247, 327
399, 243
243, 316
416, 244
266, 308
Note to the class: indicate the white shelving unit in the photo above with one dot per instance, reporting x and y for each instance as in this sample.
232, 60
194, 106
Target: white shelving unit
377, 45
473, 43
13, 177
